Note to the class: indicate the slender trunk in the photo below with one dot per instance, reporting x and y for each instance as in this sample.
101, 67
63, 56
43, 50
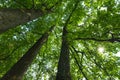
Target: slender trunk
64, 62
10, 18
63, 72
18, 70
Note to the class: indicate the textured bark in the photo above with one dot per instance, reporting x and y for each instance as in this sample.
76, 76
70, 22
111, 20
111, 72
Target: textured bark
18, 70
64, 62
63, 72
10, 18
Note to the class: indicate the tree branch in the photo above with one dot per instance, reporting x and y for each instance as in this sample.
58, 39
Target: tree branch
78, 64
100, 40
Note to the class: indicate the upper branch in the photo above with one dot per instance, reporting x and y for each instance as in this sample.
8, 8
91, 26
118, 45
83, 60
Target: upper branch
100, 40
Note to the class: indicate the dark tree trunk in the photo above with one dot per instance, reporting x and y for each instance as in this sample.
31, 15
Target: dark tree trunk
63, 72
10, 18
18, 70
64, 62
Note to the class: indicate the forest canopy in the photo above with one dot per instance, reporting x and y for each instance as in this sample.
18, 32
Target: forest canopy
59, 39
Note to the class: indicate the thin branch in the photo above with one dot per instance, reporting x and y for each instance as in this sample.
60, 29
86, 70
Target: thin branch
79, 65
76, 51
99, 66
100, 40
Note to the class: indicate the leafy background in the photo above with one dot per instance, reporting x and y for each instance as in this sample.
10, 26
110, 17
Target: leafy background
92, 21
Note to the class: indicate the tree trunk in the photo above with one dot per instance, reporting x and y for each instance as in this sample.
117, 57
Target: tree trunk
10, 18
64, 62
63, 72
18, 70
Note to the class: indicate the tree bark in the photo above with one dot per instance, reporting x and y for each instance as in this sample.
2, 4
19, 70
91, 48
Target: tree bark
19, 69
63, 72
64, 62
10, 18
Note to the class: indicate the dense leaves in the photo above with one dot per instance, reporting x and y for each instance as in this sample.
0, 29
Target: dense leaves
93, 34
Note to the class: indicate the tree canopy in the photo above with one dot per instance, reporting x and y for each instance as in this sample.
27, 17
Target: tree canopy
83, 45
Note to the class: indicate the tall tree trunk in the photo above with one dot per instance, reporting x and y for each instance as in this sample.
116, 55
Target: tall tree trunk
63, 72
10, 18
18, 70
64, 62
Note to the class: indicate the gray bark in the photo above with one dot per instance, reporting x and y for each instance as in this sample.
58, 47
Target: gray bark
10, 18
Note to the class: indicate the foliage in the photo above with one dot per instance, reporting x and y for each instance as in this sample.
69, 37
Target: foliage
93, 25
